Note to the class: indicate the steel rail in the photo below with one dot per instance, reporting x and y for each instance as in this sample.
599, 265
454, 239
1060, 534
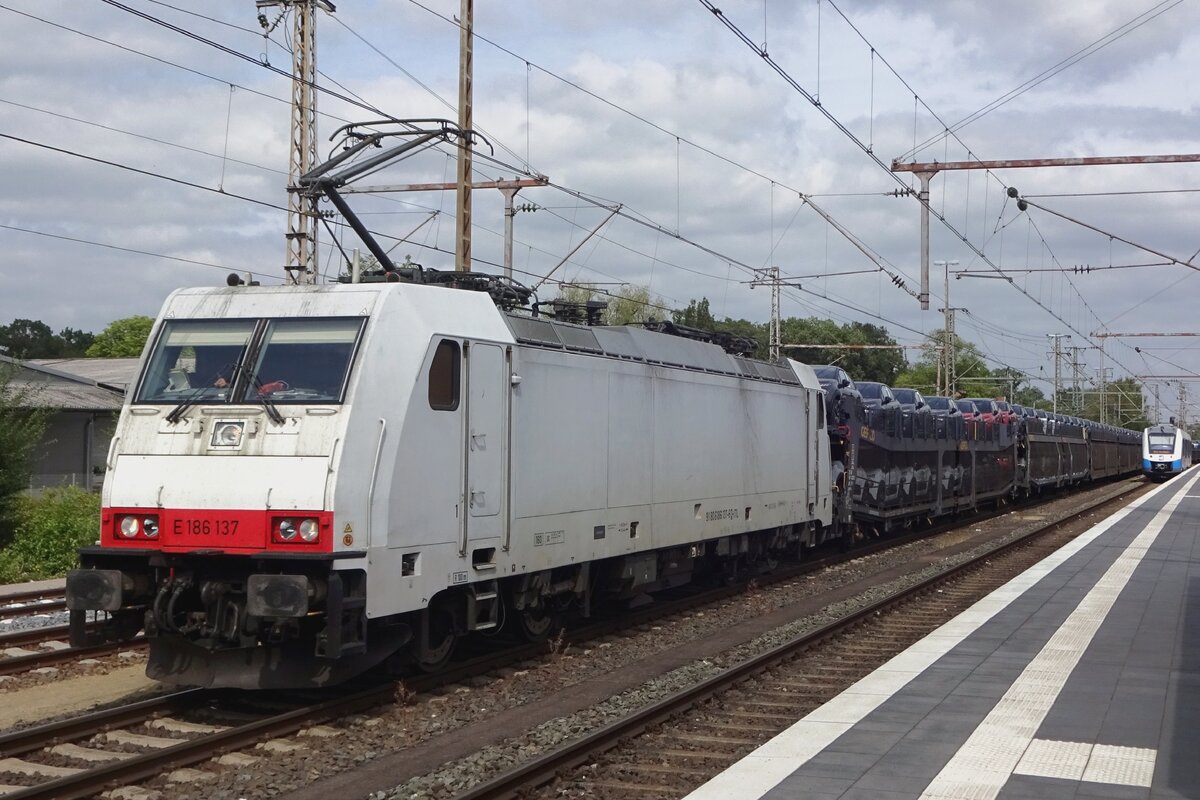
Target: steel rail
29, 636
15, 743
89, 782
56, 590
49, 658
545, 768
43, 604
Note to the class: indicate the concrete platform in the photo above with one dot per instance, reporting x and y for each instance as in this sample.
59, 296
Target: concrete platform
1079, 678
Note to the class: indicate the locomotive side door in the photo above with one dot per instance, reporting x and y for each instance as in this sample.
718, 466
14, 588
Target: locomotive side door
815, 409
484, 479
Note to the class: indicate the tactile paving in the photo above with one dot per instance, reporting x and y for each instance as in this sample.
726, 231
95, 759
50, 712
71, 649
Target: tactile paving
1127, 766
1050, 759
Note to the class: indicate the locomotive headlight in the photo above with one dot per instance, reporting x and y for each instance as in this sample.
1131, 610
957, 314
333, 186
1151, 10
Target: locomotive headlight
287, 530
309, 530
228, 433
303, 529
150, 527
129, 527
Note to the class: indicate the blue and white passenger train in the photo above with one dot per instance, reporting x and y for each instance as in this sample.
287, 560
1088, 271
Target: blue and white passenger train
1166, 451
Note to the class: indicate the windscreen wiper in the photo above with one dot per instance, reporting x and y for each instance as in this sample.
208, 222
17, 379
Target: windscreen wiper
263, 397
187, 402
267, 402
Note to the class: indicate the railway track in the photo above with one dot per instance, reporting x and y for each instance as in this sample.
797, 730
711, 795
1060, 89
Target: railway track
83, 755
86, 754
16, 657
670, 747
124, 745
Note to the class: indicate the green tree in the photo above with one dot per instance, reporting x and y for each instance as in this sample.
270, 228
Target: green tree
123, 338
921, 376
75, 342
1008, 383
1031, 397
1123, 404
759, 332
882, 364
971, 374
630, 305
633, 304
30, 338
22, 425
696, 315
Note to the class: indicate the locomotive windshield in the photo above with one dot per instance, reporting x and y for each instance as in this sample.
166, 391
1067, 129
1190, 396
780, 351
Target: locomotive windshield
303, 360
283, 361
196, 359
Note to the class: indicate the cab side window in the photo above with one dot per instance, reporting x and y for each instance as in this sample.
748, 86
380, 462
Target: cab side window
444, 373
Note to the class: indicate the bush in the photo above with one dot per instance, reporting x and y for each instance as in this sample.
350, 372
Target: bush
48, 532
22, 424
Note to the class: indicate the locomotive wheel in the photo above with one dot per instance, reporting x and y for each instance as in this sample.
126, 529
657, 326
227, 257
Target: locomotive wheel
535, 623
433, 652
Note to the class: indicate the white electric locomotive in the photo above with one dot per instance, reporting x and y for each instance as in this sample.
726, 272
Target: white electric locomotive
307, 480
1166, 451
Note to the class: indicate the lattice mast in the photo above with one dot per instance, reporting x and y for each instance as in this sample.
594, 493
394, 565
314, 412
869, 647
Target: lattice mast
301, 263
462, 220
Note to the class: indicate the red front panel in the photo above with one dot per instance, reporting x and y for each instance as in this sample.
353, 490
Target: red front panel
182, 530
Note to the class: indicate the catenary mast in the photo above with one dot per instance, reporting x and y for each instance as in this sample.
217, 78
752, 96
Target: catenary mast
301, 264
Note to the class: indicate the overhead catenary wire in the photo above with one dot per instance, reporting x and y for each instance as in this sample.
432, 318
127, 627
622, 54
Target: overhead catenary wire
194, 185
868, 151
79, 240
575, 85
711, 252
950, 130
1145, 248
165, 61
367, 105
248, 58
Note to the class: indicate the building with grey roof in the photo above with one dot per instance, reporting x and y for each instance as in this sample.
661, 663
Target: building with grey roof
108, 373
86, 397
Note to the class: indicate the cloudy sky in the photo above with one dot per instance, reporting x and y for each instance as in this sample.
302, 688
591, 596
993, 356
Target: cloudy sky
658, 107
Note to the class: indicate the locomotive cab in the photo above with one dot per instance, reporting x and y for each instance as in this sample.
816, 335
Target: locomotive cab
218, 536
